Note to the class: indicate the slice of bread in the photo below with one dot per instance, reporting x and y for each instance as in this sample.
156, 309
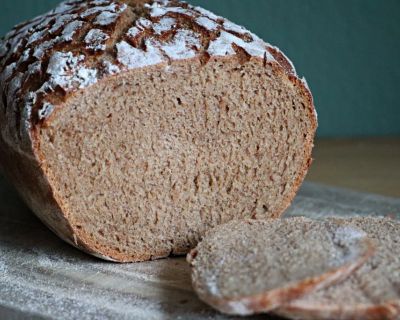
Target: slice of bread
371, 293
247, 267
132, 127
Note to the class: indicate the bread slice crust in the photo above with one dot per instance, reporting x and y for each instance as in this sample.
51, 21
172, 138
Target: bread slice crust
238, 303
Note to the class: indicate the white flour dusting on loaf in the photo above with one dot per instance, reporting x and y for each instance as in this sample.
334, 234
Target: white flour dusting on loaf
229, 26
3, 269
96, 40
133, 32
144, 23
131, 57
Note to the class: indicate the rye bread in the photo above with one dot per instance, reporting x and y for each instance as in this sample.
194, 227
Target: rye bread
248, 267
132, 127
371, 293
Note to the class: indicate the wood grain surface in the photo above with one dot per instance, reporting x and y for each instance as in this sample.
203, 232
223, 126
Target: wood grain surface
41, 277
369, 165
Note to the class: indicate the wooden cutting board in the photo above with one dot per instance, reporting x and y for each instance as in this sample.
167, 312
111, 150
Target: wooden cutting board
41, 277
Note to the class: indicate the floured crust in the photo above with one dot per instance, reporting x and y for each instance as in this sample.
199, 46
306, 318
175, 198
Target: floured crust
321, 305
47, 60
238, 304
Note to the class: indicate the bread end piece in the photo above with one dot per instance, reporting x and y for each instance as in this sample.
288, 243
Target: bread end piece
251, 267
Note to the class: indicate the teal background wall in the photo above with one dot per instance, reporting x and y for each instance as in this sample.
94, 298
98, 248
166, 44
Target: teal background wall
349, 51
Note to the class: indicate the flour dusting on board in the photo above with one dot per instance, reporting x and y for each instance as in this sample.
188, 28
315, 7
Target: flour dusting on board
110, 68
165, 24
53, 280
161, 8
46, 110
113, 8
222, 46
70, 30
106, 18
67, 70
185, 45
3, 269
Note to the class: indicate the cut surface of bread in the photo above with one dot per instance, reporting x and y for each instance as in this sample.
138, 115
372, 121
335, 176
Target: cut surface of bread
132, 128
247, 267
370, 293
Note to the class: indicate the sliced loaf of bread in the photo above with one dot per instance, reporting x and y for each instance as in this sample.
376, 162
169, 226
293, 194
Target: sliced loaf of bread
247, 267
371, 293
132, 127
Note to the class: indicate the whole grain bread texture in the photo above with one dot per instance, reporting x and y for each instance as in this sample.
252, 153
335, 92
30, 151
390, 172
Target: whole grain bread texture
132, 127
370, 293
253, 266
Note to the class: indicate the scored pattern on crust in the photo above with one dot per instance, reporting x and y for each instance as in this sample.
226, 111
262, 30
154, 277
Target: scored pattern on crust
81, 42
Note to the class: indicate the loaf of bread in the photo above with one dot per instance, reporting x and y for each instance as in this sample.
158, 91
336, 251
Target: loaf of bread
370, 293
132, 127
255, 266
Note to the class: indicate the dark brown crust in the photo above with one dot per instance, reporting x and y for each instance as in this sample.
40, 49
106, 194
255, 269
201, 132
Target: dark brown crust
31, 82
24, 171
282, 60
25, 166
310, 144
269, 301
